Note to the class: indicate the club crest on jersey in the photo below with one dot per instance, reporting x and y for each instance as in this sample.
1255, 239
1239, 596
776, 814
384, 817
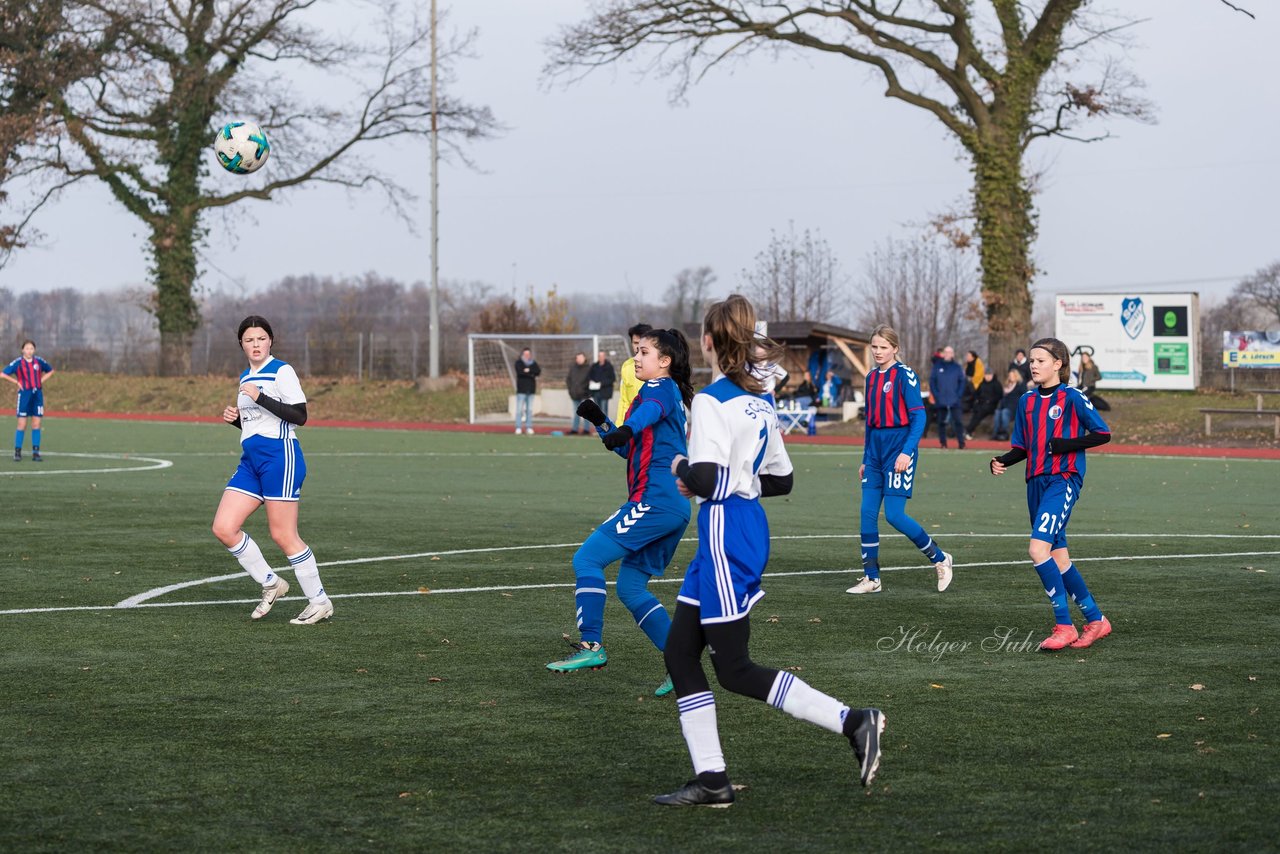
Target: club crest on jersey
1132, 316
1055, 412
888, 386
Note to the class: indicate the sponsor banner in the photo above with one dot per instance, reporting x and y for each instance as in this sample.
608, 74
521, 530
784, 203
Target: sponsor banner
1139, 340
1251, 349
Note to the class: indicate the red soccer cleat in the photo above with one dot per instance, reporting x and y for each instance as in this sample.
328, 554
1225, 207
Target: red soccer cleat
1095, 631
1063, 634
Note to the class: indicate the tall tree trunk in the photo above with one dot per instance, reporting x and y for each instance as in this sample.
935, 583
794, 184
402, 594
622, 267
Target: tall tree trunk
1006, 229
174, 254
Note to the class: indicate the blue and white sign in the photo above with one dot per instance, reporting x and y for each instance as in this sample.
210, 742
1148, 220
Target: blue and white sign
1139, 340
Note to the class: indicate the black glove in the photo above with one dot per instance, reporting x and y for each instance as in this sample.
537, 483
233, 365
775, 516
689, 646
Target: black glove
591, 411
1057, 445
617, 438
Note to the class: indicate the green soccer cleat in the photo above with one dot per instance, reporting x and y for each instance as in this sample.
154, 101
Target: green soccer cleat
665, 688
590, 656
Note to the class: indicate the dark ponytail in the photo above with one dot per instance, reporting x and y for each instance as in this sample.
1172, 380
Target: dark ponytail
672, 344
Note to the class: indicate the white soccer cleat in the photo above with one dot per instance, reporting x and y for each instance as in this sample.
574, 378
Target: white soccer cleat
866, 585
270, 594
518, 431
943, 568
314, 613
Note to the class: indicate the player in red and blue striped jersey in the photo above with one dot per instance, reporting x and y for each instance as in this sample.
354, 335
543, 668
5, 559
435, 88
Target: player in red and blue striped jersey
644, 532
895, 422
28, 372
1053, 426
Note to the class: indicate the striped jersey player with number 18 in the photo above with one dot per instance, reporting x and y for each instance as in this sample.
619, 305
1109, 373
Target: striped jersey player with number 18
895, 423
1053, 426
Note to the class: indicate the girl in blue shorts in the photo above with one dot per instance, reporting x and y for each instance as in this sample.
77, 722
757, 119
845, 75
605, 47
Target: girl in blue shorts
895, 423
269, 405
736, 456
28, 372
644, 532
1053, 425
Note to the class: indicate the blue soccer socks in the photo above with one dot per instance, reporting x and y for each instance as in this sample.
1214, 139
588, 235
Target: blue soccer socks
1079, 591
871, 554
1056, 590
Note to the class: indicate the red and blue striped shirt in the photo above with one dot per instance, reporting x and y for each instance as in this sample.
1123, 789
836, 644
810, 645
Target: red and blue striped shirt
29, 372
892, 395
1058, 412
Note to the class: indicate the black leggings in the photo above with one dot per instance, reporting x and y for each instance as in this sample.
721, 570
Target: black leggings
728, 642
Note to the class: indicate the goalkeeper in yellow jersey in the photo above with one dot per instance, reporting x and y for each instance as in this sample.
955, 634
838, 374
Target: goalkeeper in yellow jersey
628, 385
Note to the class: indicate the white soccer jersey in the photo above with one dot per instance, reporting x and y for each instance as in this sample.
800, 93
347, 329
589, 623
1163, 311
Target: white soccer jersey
276, 379
737, 431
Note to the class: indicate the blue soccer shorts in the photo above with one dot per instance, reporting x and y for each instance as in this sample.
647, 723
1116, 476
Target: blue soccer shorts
31, 402
1050, 499
650, 534
882, 449
270, 469
723, 580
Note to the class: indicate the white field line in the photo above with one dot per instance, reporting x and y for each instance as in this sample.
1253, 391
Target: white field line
155, 463
140, 601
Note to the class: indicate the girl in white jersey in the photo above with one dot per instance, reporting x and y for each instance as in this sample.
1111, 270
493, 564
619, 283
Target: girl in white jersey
269, 405
736, 456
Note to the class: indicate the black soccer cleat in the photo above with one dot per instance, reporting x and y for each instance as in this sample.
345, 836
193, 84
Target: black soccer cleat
36, 458
695, 794
865, 740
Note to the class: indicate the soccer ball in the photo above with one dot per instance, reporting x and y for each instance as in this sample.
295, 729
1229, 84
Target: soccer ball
241, 147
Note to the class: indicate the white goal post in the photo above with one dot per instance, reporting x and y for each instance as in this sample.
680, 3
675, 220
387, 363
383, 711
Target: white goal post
491, 359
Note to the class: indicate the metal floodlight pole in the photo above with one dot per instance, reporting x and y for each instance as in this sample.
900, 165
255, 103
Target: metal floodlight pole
435, 210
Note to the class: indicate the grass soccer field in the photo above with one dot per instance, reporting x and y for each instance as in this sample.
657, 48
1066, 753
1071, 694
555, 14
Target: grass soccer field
140, 709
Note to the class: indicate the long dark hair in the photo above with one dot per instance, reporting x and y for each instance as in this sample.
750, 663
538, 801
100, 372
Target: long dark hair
250, 322
1059, 351
731, 323
672, 344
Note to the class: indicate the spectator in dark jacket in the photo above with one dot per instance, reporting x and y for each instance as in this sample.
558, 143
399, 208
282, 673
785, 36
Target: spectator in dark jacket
985, 400
527, 371
600, 380
946, 383
1014, 388
1021, 365
576, 383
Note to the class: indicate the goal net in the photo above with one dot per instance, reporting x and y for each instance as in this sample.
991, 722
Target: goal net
491, 362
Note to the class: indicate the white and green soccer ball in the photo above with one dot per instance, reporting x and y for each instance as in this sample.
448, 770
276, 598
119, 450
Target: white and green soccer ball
241, 147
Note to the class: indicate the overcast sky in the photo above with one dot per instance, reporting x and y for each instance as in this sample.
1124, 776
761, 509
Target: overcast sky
604, 185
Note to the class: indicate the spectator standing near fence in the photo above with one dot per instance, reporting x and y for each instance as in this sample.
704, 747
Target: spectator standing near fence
576, 383
28, 372
947, 382
527, 372
985, 401
1021, 365
600, 380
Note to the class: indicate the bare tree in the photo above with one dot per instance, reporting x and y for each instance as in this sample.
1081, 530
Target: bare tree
997, 74
925, 289
1262, 291
797, 277
688, 294
172, 70
40, 55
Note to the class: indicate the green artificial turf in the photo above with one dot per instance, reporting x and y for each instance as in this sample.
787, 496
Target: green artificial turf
421, 717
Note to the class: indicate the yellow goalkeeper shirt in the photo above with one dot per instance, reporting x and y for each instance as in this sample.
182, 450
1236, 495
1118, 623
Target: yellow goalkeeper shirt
628, 388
